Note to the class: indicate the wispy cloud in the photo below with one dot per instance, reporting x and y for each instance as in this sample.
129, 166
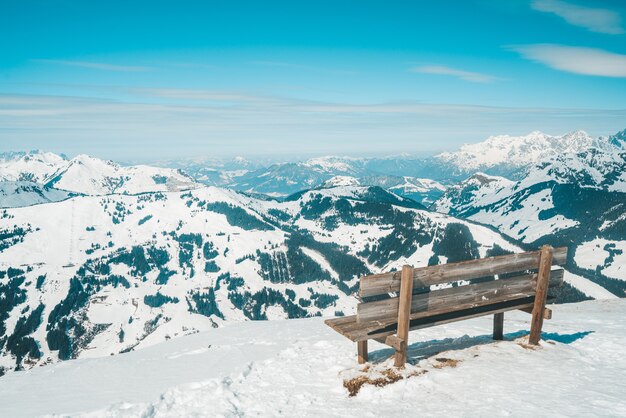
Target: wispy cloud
200, 95
579, 60
592, 19
124, 129
471, 76
303, 67
95, 65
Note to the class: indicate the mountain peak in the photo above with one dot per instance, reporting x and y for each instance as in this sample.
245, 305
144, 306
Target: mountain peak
88, 159
341, 181
333, 163
518, 151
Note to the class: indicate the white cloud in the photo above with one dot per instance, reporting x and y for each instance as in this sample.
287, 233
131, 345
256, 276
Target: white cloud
592, 19
200, 95
95, 65
463, 75
579, 60
131, 129
303, 67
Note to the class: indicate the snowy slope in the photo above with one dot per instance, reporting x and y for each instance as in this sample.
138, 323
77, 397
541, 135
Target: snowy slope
214, 171
571, 199
600, 254
336, 165
98, 275
298, 367
341, 181
34, 166
25, 193
287, 178
93, 176
478, 188
417, 185
88, 175
422, 190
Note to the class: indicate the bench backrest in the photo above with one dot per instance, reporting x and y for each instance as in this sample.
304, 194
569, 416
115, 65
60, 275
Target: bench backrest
464, 285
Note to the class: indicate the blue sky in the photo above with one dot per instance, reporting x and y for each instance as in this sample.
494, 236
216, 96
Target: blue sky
142, 80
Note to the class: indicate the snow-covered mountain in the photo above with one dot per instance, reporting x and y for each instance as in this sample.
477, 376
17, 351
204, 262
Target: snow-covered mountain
34, 166
577, 200
341, 181
336, 165
287, 178
618, 140
462, 197
145, 254
506, 155
282, 179
420, 178
422, 190
214, 171
88, 175
98, 275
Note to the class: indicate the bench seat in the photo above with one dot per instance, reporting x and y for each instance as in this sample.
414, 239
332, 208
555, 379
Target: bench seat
354, 330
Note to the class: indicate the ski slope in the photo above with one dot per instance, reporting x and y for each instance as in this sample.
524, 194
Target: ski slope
297, 368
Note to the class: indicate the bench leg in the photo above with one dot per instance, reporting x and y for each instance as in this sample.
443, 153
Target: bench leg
361, 348
498, 326
543, 279
404, 313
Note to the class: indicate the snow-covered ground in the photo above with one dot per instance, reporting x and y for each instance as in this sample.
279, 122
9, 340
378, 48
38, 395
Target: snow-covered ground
609, 256
14, 194
298, 367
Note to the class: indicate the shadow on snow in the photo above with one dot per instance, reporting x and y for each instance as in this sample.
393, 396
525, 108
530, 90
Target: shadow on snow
420, 350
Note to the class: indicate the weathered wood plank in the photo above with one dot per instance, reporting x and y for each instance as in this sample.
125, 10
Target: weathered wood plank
362, 354
395, 342
543, 278
453, 296
404, 311
447, 318
379, 330
341, 323
392, 341
498, 326
424, 277
547, 312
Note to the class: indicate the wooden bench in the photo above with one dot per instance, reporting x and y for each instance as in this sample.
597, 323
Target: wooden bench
394, 303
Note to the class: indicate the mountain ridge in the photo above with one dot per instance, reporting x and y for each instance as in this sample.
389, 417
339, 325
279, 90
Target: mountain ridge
126, 271
573, 199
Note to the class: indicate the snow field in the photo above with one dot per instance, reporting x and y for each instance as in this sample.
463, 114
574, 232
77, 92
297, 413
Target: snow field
297, 368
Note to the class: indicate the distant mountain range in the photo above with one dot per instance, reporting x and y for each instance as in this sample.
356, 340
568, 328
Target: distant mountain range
99, 275
87, 175
510, 156
422, 179
98, 258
